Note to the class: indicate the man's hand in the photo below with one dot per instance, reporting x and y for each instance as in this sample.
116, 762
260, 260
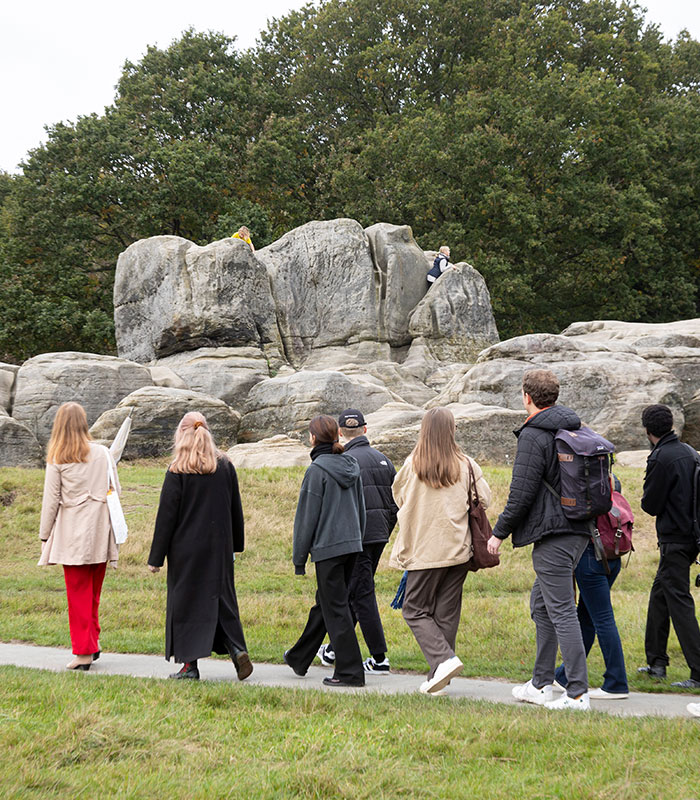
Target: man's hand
493, 545
153, 569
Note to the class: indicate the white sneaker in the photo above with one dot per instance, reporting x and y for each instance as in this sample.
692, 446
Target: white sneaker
444, 674
601, 694
425, 689
527, 693
327, 655
558, 687
581, 703
693, 708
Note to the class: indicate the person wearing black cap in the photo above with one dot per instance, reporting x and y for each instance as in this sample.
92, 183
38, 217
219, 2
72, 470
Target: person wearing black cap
378, 474
668, 495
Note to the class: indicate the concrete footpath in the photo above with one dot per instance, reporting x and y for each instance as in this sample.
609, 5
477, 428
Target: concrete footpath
493, 691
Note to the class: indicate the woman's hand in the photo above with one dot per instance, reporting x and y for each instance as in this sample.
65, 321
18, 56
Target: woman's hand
153, 569
493, 545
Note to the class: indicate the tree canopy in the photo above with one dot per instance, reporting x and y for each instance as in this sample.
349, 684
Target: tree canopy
555, 146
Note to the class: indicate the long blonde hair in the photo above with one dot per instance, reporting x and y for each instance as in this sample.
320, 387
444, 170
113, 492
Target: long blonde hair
194, 450
437, 458
70, 438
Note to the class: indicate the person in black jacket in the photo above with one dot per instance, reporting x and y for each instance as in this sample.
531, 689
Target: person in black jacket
378, 474
329, 525
198, 528
533, 515
668, 495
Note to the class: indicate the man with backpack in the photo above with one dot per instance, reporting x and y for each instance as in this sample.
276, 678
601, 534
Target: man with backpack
669, 495
534, 515
378, 474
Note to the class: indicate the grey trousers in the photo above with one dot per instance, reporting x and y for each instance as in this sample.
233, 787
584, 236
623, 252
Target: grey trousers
432, 606
553, 610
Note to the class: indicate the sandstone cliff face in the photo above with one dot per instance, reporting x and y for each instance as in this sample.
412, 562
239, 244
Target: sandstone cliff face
331, 316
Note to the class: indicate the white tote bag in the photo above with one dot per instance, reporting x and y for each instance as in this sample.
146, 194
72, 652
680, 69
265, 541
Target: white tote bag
116, 513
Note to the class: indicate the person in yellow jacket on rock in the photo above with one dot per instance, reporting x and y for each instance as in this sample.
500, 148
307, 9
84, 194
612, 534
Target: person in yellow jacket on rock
244, 234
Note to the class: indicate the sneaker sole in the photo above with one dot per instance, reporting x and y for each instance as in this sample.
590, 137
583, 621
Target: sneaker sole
445, 680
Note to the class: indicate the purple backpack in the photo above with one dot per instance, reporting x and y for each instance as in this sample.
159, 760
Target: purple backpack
585, 459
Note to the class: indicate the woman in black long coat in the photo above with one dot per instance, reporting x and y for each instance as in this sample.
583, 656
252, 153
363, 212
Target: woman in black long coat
198, 528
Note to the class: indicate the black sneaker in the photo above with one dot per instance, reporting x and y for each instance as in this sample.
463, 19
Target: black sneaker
379, 667
653, 672
326, 655
691, 683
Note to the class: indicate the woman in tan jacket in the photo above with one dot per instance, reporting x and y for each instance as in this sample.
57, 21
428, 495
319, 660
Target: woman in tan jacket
75, 527
434, 542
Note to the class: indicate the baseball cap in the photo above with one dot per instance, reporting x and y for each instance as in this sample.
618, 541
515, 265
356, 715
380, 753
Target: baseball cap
351, 418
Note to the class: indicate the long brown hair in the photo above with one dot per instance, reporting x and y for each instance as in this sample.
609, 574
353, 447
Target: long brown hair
194, 451
437, 457
70, 439
325, 429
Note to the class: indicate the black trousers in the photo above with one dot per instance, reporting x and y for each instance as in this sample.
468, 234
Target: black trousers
331, 613
670, 599
363, 600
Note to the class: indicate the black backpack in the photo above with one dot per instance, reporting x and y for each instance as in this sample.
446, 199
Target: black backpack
695, 512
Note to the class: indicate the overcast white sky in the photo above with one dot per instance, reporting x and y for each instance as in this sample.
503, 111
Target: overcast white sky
61, 58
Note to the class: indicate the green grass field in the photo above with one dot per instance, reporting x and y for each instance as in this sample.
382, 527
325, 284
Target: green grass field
63, 737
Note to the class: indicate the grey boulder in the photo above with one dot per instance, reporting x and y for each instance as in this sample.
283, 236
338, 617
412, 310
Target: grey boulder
156, 412
455, 316
8, 373
96, 382
18, 445
224, 372
277, 451
171, 295
288, 403
691, 431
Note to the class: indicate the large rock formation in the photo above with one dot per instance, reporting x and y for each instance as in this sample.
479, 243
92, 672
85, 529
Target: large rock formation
96, 382
156, 411
607, 388
171, 295
674, 345
691, 432
287, 404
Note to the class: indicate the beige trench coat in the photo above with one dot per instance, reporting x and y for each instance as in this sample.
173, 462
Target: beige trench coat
434, 523
75, 524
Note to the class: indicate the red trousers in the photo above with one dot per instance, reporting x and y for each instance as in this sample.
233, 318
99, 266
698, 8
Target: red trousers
83, 587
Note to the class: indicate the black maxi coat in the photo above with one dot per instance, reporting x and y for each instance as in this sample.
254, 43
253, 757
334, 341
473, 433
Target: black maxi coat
198, 528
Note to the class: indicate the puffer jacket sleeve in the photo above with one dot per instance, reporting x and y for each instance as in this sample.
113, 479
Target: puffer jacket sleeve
529, 470
362, 509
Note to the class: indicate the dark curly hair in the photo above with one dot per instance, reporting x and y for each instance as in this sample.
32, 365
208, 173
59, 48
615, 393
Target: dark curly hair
657, 419
542, 385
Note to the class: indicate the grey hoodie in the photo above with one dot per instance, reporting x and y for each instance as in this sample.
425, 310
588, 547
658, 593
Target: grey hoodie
330, 518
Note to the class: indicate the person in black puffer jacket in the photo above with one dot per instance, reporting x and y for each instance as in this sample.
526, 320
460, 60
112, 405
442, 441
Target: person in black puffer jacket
378, 474
533, 515
668, 495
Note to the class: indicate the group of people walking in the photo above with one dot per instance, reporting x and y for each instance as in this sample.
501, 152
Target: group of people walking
350, 500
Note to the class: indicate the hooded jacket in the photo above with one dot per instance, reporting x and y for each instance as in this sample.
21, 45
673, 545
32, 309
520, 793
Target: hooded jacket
532, 511
378, 474
330, 518
668, 489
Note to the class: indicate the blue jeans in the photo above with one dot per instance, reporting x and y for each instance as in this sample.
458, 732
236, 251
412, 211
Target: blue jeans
596, 617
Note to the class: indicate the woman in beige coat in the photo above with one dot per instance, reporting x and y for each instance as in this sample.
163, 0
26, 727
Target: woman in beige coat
434, 542
75, 527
